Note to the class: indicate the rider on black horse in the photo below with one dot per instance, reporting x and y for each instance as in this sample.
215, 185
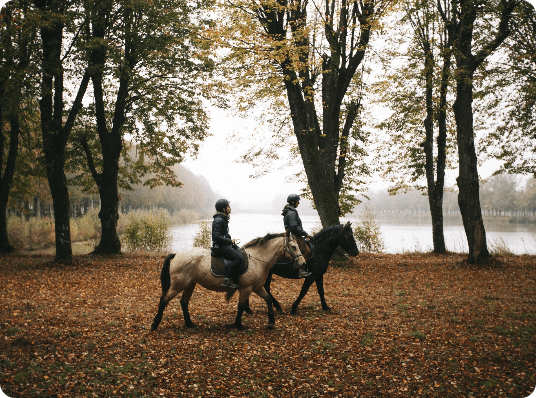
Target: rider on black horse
293, 223
223, 245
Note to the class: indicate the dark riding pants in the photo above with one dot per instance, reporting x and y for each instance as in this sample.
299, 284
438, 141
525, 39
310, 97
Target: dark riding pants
234, 255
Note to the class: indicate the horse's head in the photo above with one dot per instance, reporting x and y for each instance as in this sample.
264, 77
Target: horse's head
347, 240
292, 251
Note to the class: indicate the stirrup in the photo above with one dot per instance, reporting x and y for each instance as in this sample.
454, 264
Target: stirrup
304, 274
228, 282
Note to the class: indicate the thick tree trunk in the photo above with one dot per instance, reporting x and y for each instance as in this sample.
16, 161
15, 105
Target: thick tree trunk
110, 139
5, 246
468, 183
54, 142
323, 149
7, 179
109, 214
467, 63
55, 136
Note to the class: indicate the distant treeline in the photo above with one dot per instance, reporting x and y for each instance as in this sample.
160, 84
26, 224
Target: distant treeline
501, 196
195, 195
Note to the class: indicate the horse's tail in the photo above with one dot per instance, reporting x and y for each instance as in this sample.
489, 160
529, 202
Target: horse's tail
229, 294
165, 278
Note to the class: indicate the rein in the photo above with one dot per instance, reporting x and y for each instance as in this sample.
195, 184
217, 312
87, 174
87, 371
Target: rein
294, 258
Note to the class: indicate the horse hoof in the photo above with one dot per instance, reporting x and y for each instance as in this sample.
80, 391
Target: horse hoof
327, 309
191, 325
279, 310
248, 311
271, 326
153, 326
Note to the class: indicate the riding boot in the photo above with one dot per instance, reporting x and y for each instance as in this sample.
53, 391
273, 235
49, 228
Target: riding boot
233, 273
229, 276
303, 273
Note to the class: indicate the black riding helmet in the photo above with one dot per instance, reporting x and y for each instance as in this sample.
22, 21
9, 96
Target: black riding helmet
222, 204
293, 198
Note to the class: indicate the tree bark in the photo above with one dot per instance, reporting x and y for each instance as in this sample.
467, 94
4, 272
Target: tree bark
466, 65
11, 84
110, 139
323, 149
55, 133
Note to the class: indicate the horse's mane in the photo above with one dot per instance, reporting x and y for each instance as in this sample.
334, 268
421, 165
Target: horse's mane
328, 234
264, 239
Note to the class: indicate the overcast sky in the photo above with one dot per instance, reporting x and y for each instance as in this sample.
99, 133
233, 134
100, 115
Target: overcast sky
229, 179
217, 162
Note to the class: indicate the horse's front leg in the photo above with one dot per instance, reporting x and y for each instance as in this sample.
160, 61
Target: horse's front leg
320, 288
305, 287
185, 299
268, 299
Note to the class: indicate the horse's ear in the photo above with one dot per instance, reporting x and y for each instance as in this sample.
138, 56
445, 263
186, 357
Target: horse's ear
348, 225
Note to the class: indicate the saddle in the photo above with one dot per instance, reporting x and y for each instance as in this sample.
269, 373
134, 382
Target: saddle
218, 263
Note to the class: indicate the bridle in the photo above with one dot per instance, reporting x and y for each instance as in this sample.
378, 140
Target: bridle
289, 251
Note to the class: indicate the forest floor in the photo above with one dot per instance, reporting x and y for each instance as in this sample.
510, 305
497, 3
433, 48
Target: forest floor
408, 325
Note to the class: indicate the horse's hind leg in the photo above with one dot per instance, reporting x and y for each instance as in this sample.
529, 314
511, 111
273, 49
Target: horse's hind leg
164, 300
185, 299
267, 288
268, 299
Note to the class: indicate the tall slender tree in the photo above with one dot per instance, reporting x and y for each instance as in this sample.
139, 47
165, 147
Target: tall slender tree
55, 14
312, 53
154, 64
17, 38
417, 92
469, 57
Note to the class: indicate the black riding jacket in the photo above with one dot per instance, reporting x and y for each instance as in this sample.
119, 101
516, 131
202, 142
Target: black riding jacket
292, 221
220, 230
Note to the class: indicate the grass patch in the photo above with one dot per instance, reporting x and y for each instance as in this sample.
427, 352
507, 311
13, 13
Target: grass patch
367, 339
13, 331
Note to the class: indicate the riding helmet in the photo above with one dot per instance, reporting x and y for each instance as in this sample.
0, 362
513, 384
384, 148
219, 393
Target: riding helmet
222, 204
293, 198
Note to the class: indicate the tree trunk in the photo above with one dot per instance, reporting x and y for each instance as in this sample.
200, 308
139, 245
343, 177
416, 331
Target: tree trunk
110, 139
323, 149
109, 214
468, 184
55, 136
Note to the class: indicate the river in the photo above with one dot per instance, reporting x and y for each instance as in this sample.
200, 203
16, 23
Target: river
398, 238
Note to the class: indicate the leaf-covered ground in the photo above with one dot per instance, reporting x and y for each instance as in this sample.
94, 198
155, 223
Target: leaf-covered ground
401, 326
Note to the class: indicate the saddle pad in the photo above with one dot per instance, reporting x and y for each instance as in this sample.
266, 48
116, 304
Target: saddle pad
217, 266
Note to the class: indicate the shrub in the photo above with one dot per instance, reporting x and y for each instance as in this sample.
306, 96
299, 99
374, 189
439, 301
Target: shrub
148, 230
31, 234
367, 233
203, 237
87, 227
16, 232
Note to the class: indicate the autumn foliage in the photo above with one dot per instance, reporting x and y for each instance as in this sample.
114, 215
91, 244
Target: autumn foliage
401, 326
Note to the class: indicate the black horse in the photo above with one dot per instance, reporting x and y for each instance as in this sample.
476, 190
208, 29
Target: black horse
326, 242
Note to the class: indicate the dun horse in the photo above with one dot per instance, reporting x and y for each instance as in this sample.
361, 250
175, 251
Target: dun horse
181, 272
327, 242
